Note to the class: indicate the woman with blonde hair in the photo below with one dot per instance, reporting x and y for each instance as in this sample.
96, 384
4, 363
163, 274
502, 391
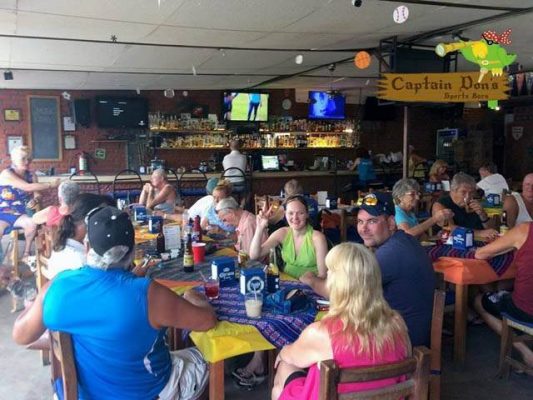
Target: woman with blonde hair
360, 329
16, 187
439, 172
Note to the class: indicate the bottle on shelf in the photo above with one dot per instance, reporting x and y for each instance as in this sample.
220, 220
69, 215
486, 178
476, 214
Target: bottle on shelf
160, 240
188, 260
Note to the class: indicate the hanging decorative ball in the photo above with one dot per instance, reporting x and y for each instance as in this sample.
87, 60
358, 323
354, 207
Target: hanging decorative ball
400, 14
362, 60
299, 59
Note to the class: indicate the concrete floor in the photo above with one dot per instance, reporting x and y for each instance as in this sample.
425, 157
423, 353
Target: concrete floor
23, 378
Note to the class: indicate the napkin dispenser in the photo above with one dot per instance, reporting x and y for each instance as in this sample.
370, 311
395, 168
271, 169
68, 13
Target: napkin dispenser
462, 238
252, 280
223, 269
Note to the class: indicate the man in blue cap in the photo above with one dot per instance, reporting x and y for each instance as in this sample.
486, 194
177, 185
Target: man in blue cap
406, 270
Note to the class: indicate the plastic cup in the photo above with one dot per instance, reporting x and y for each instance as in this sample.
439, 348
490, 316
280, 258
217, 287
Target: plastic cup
198, 252
139, 256
212, 288
253, 302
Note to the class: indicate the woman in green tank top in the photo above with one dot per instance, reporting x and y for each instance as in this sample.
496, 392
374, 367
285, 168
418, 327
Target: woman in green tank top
302, 248
304, 252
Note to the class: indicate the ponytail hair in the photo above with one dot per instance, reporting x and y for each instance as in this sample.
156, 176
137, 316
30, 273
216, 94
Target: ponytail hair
84, 203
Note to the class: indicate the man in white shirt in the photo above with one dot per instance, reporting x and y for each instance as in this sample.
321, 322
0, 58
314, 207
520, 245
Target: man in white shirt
202, 205
491, 182
235, 159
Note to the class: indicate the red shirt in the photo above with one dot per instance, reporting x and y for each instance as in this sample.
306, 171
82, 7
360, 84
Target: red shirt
54, 217
523, 284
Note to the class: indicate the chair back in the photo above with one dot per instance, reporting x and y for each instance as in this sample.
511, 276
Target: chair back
240, 181
191, 185
439, 298
415, 369
88, 180
63, 365
127, 184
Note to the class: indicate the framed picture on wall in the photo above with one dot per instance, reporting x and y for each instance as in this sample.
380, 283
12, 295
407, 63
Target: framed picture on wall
12, 142
11, 114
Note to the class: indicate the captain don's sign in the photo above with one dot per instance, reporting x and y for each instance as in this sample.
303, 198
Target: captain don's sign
455, 87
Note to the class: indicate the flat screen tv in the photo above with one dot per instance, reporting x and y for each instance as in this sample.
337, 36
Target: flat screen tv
121, 112
245, 106
324, 105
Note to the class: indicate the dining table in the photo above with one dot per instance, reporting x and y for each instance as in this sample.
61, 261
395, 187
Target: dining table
235, 333
461, 268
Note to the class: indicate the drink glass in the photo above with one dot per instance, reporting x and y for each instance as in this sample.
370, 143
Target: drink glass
139, 256
253, 302
212, 288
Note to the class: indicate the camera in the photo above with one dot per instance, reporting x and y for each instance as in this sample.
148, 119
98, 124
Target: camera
357, 3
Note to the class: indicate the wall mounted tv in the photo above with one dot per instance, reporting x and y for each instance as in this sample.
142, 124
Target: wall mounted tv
324, 105
245, 106
121, 112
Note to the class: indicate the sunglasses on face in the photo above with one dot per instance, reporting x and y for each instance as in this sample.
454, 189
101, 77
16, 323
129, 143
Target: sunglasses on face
368, 200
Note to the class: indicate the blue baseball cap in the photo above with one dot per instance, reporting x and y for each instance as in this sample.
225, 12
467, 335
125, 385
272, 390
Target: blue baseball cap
376, 204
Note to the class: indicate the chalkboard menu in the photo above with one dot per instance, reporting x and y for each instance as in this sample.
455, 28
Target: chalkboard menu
45, 130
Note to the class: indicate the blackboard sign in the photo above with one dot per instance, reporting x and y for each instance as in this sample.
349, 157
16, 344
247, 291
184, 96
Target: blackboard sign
45, 130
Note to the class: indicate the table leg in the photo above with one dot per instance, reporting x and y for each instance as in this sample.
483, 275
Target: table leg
461, 311
216, 380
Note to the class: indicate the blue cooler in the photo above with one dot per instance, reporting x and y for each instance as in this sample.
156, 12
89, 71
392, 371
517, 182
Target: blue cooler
223, 269
252, 280
462, 238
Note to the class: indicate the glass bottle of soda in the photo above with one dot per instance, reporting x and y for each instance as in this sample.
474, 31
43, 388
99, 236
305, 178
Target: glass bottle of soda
188, 260
504, 227
273, 272
242, 256
160, 240
196, 230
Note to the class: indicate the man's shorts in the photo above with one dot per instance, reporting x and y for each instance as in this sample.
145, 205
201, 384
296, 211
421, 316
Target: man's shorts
189, 376
496, 303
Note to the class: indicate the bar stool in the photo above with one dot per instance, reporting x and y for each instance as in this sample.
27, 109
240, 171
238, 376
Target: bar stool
240, 182
191, 184
127, 184
508, 339
88, 179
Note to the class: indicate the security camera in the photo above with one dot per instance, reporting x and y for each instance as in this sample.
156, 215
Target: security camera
357, 3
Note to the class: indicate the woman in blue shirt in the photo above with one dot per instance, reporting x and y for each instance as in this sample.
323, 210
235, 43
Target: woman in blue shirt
406, 195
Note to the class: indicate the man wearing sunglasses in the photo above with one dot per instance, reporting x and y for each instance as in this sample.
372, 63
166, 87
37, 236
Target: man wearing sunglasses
406, 270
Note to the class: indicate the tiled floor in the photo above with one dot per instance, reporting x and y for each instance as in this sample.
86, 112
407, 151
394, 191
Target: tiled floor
23, 378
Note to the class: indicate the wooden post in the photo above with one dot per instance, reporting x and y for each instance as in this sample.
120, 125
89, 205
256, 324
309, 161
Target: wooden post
405, 136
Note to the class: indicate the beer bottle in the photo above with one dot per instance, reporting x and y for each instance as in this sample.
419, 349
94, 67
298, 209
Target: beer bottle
188, 260
273, 272
504, 227
160, 240
242, 257
196, 230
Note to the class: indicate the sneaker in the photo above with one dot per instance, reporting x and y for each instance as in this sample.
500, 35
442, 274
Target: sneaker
246, 379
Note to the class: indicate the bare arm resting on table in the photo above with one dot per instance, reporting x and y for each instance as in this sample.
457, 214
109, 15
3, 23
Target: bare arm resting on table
166, 308
514, 239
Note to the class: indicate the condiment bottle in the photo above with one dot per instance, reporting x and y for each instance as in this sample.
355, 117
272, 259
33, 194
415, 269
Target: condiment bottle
160, 240
504, 228
188, 260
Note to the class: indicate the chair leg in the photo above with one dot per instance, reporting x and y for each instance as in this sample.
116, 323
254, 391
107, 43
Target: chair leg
15, 252
272, 354
506, 346
45, 357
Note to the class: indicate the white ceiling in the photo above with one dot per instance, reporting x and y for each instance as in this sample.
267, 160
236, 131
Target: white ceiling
220, 44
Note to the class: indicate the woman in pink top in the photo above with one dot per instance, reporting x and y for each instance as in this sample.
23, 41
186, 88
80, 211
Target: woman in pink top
67, 192
360, 329
519, 303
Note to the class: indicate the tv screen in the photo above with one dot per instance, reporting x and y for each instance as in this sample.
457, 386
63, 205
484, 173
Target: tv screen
121, 112
245, 106
373, 111
269, 163
418, 60
323, 105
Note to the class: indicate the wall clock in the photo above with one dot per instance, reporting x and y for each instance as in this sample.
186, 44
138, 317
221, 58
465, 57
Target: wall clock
286, 104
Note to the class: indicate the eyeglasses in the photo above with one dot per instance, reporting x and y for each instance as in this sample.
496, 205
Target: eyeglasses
368, 200
413, 194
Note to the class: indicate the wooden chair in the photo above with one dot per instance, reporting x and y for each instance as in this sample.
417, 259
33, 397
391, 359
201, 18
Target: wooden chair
437, 319
415, 368
63, 365
508, 339
14, 250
